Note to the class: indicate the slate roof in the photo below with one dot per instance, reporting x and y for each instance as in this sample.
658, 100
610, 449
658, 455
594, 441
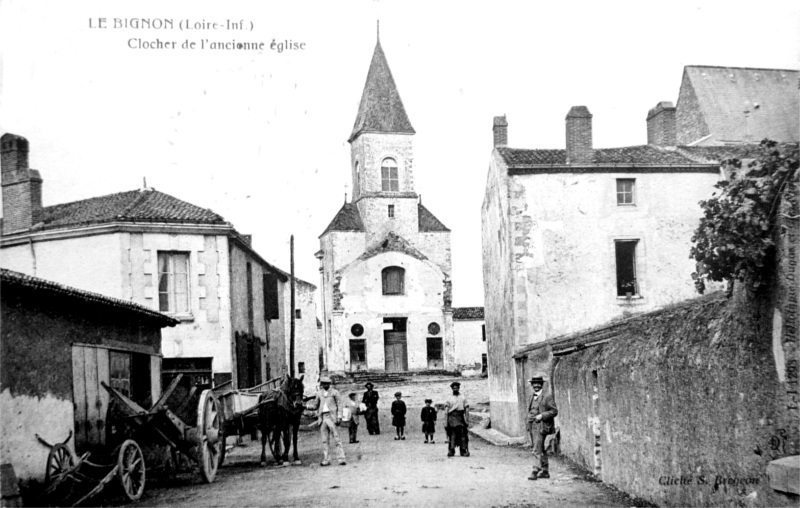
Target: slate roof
381, 109
428, 222
643, 154
347, 218
10, 279
723, 93
467, 313
145, 205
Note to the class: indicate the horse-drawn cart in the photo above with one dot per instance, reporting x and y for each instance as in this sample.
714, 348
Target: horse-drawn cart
139, 439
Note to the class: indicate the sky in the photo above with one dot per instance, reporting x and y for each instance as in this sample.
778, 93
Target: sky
260, 136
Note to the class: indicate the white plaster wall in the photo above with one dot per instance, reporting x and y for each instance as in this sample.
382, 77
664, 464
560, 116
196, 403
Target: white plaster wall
308, 338
207, 330
21, 417
469, 342
86, 263
363, 302
572, 220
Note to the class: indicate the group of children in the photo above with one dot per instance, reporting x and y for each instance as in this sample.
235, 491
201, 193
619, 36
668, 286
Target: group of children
352, 409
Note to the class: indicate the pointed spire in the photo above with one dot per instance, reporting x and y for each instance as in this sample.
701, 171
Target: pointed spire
381, 109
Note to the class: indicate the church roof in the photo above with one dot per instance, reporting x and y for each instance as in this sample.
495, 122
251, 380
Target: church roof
724, 93
467, 313
392, 243
428, 222
144, 205
381, 109
347, 219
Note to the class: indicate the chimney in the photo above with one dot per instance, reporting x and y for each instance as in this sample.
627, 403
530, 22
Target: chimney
661, 128
22, 186
579, 136
500, 130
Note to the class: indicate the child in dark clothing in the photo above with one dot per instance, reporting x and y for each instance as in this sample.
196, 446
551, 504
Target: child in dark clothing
399, 416
428, 420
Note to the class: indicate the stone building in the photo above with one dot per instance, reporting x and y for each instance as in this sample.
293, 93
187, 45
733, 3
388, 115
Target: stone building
574, 238
58, 343
732, 105
385, 258
469, 331
151, 248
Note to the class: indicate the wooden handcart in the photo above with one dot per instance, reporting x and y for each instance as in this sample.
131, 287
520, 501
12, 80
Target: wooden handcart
139, 439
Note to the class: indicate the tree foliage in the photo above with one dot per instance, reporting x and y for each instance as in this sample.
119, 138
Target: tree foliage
734, 241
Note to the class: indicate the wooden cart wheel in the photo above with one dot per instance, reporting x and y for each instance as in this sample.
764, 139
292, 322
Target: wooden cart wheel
59, 460
208, 423
131, 470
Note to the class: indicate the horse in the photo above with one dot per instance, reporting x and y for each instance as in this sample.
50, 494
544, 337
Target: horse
279, 420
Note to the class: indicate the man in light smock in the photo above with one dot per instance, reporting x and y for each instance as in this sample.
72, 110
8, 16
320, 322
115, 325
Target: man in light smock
329, 406
457, 419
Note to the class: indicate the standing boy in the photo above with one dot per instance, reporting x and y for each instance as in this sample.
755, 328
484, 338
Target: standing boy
428, 416
351, 412
399, 416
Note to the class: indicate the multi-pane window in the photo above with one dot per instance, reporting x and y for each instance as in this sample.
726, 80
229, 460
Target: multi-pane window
626, 267
626, 194
389, 180
391, 211
298, 313
173, 282
393, 278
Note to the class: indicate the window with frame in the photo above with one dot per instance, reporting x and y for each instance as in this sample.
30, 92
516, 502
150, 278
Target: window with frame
391, 211
625, 251
301, 367
298, 313
173, 282
393, 278
389, 179
626, 191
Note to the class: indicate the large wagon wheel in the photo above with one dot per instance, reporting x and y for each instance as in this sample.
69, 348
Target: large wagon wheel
131, 470
59, 461
208, 423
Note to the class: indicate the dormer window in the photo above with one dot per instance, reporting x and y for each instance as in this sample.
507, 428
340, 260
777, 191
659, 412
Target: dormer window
389, 180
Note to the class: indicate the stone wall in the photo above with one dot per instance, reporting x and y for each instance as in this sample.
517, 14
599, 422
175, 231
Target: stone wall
691, 125
688, 405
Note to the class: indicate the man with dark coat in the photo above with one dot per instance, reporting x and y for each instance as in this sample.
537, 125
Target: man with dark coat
370, 399
541, 413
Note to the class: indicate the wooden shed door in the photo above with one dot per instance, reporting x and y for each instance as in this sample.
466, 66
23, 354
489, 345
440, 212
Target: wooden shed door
89, 367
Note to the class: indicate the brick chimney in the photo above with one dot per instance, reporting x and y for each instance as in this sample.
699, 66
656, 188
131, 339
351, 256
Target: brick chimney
22, 186
500, 130
661, 128
579, 136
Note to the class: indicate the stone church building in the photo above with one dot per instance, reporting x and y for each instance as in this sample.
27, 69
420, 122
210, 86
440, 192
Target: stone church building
385, 259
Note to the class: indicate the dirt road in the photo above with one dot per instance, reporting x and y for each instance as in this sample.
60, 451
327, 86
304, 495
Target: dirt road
383, 472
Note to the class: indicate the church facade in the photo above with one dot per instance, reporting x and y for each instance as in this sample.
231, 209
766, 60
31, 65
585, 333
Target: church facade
385, 258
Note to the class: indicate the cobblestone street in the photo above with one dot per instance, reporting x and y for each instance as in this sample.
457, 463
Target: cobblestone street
383, 472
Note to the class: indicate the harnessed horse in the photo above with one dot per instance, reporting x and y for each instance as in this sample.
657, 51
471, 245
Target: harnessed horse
279, 421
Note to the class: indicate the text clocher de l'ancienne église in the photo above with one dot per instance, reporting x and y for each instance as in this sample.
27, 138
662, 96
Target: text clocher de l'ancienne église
280, 47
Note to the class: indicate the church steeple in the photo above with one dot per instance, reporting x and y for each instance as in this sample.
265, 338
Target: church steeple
381, 109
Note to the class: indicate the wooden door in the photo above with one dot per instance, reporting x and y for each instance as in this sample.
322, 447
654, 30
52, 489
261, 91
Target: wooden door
395, 349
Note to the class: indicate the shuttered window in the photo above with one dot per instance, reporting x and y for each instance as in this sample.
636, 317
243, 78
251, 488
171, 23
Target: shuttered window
393, 280
271, 296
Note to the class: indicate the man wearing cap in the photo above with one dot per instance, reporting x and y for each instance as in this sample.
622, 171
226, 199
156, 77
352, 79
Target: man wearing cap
457, 419
541, 412
328, 404
370, 399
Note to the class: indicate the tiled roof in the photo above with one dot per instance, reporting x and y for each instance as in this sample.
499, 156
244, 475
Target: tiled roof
643, 154
717, 154
10, 278
381, 109
347, 219
146, 205
724, 93
467, 313
428, 222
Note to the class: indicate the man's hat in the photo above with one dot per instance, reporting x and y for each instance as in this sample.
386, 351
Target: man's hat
454, 384
396, 394
536, 379
368, 385
429, 400
325, 379
351, 394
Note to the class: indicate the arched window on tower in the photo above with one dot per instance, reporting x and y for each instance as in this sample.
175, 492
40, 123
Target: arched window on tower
393, 280
389, 180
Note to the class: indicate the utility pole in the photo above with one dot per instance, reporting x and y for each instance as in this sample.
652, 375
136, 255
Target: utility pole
291, 288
